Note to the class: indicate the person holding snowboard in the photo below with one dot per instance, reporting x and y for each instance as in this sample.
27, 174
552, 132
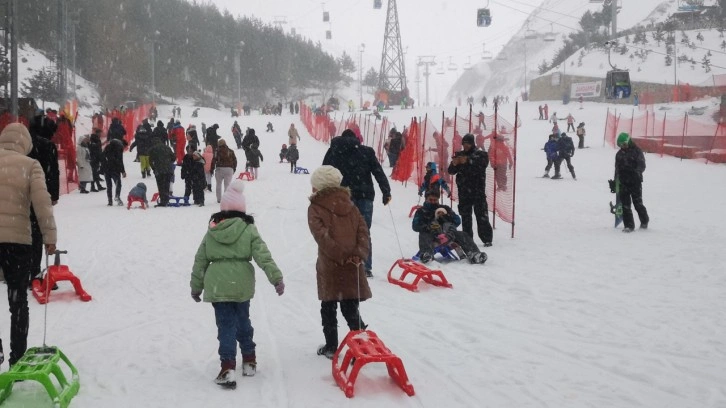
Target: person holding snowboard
629, 168
223, 273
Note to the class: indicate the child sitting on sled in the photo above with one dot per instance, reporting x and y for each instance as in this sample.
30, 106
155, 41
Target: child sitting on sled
436, 225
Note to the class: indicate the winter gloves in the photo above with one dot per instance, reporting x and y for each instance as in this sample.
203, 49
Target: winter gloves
386, 199
280, 288
197, 297
612, 186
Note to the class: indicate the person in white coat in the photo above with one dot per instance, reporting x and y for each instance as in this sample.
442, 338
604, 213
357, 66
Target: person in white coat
83, 161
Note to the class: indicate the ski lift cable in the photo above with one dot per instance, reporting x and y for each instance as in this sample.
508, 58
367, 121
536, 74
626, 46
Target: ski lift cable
540, 18
549, 10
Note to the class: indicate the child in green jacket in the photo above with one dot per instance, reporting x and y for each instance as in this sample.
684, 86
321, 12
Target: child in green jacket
223, 272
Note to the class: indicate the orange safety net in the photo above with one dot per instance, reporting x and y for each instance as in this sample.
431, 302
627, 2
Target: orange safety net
681, 136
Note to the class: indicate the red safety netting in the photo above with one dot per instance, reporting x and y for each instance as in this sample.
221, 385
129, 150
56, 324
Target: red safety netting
424, 142
680, 136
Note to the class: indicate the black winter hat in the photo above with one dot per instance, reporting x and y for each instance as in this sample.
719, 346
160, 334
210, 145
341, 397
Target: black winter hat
160, 123
348, 133
468, 138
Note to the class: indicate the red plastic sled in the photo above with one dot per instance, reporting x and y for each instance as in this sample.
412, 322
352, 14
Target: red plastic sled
359, 348
419, 272
246, 175
413, 210
57, 273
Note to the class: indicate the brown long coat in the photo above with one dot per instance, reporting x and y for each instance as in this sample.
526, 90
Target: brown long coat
340, 231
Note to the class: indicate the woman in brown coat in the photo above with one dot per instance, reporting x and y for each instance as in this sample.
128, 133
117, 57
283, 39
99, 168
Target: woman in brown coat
342, 237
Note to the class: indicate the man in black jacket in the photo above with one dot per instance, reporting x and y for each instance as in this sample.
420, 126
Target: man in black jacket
357, 163
113, 155
470, 167
629, 168
44, 151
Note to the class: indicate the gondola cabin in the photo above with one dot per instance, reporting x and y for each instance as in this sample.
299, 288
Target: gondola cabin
328, 35
326, 16
483, 17
617, 84
377, 4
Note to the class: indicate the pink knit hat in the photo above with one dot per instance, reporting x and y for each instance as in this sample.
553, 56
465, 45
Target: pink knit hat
234, 199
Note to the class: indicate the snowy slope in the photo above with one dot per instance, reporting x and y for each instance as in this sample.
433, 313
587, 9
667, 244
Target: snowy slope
569, 313
505, 74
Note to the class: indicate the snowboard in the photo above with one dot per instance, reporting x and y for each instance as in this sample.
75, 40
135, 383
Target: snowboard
617, 208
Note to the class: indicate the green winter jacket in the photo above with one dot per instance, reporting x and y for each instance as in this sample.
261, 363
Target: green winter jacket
222, 268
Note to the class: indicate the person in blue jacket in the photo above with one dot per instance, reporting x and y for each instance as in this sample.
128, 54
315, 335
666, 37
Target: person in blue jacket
551, 151
433, 181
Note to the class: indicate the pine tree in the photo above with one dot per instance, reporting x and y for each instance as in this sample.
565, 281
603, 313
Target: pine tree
42, 86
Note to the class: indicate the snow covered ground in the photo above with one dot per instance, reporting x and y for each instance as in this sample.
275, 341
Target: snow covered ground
569, 313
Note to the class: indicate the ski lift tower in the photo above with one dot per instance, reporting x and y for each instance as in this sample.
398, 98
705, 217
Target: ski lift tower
392, 77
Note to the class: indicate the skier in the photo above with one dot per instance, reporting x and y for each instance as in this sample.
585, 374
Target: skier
570, 122
222, 272
565, 151
550, 149
629, 168
580, 132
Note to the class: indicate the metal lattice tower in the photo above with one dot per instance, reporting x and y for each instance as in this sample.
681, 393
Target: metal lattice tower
392, 76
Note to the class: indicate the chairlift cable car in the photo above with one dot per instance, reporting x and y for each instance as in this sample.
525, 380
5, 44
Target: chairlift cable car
530, 34
502, 56
550, 37
486, 55
467, 64
484, 16
440, 69
617, 82
452, 66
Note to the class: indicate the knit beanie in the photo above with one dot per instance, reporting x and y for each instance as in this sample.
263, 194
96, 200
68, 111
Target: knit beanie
468, 138
326, 176
234, 199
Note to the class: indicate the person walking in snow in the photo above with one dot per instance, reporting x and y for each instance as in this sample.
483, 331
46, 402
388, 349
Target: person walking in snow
254, 159
22, 182
223, 275
225, 165
343, 244
292, 157
83, 160
629, 168
292, 135
180, 141
161, 159
358, 164
113, 157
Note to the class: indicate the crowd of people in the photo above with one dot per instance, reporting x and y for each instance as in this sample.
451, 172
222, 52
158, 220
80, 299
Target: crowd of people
340, 213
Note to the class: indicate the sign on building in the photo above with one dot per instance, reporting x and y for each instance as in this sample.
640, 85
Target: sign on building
586, 89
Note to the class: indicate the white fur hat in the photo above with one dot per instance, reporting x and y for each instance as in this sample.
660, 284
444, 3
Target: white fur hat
234, 198
326, 176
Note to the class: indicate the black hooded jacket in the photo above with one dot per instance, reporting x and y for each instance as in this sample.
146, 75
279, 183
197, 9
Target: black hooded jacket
357, 163
45, 152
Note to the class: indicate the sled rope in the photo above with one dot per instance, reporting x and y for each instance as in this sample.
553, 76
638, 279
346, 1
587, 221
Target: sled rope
395, 231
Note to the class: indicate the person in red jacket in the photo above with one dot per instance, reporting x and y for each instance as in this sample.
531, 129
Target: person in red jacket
179, 135
500, 159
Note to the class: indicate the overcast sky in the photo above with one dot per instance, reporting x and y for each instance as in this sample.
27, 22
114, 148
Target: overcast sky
444, 29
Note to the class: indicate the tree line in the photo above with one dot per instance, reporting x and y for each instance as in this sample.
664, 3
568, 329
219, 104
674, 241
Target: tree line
195, 47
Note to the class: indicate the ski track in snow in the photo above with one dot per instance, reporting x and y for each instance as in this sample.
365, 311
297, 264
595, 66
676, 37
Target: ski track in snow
569, 313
